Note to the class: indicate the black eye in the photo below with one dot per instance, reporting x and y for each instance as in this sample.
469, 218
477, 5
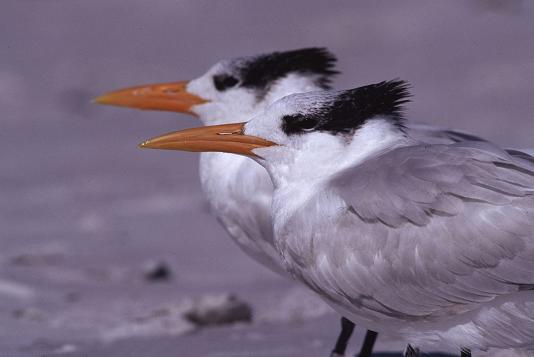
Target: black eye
299, 123
307, 123
224, 81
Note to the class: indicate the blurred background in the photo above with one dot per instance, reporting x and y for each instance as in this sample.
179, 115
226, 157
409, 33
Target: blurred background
106, 249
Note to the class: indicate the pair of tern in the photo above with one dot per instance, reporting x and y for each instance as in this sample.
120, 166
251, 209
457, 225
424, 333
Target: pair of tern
407, 229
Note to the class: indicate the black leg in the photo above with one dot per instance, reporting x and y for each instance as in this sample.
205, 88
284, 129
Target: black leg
466, 352
368, 344
347, 327
411, 351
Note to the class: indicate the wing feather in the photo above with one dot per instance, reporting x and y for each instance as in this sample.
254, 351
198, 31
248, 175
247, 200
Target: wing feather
454, 227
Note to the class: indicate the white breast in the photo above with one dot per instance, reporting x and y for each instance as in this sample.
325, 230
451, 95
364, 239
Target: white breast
239, 192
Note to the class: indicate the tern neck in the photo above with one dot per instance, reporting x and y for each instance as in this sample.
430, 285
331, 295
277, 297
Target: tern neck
331, 154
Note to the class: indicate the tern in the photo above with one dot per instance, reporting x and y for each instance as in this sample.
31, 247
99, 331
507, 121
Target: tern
430, 242
240, 88
239, 190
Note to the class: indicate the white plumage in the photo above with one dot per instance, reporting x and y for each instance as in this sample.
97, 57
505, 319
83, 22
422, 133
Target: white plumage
239, 190
365, 219
430, 242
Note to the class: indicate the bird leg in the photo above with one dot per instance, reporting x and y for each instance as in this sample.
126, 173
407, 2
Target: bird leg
347, 327
368, 344
411, 351
466, 352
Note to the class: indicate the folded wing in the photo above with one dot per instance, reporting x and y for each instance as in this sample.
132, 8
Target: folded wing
434, 230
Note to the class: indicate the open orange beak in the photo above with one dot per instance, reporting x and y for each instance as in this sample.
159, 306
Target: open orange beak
222, 138
172, 97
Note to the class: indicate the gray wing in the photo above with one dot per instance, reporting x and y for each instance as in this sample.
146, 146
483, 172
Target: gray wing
436, 228
430, 134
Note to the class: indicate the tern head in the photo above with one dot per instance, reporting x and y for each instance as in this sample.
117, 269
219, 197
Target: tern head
323, 128
236, 88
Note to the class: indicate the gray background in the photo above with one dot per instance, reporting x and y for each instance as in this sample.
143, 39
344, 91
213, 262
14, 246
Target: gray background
82, 210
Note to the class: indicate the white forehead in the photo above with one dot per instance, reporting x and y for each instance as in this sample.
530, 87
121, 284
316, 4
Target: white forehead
223, 66
302, 103
234, 104
268, 124
203, 85
305, 103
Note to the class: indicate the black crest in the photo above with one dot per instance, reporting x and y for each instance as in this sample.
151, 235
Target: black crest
261, 71
349, 109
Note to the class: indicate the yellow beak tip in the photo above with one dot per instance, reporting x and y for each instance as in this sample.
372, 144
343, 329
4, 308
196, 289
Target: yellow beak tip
144, 144
99, 100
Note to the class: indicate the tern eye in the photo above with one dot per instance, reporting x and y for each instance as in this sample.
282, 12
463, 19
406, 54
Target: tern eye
224, 81
298, 123
307, 123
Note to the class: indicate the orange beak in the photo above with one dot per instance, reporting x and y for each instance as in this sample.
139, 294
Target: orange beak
172, 97
220, 138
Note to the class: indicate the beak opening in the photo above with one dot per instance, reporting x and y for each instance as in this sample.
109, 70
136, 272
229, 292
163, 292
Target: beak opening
172, 97
227, 138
